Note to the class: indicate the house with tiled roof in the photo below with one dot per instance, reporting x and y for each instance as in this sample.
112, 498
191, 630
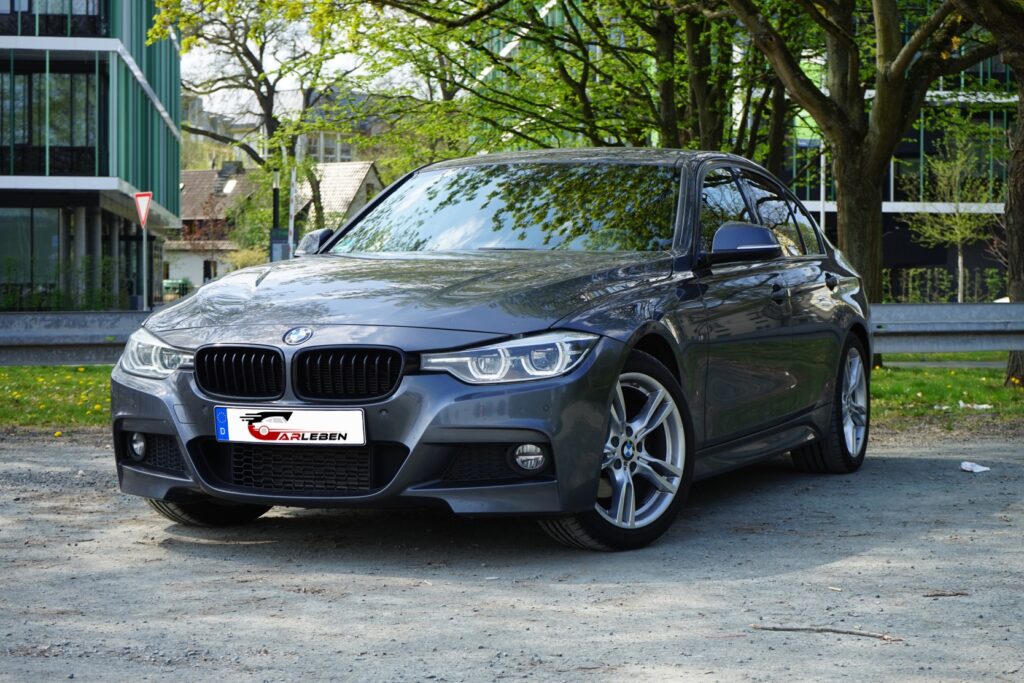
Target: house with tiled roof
207, 197
345, 187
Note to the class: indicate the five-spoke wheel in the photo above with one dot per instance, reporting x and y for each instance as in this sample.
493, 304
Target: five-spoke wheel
646, 468
643, 454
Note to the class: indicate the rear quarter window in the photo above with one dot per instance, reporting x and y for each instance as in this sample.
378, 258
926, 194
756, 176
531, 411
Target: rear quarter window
805, 224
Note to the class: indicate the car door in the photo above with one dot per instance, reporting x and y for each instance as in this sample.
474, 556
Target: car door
808, 337
747, 355
816, 304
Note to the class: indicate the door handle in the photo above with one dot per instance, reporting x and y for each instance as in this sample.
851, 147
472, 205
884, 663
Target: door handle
778, 293
831, 281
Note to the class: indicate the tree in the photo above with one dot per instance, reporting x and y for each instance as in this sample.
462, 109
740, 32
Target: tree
600, 73
1005, 20
952, 178
261, 53
873, 86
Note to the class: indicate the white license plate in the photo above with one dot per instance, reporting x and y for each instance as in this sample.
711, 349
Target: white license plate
341, 427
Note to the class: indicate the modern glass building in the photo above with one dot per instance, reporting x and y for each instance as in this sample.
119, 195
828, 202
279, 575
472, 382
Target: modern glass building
89, 115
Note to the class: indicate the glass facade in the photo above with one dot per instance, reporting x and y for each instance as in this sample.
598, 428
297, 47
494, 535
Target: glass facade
84, 123
29, 265
50, 116
54, 18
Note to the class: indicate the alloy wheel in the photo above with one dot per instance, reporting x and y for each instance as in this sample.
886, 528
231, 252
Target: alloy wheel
854, 399
644, 454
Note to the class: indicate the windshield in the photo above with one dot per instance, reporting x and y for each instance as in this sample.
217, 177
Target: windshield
587, 207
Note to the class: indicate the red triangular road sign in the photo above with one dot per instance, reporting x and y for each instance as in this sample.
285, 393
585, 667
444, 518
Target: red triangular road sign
142, 203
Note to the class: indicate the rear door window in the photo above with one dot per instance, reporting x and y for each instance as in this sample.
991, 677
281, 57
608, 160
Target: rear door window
721, 201
773, 209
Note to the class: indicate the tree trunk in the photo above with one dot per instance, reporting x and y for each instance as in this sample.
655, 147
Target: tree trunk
778, 124
665, 51
859, 204
961, 283
1015, 218
317, 200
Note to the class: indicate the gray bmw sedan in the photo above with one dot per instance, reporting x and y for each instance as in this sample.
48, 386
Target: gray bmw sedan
573, 335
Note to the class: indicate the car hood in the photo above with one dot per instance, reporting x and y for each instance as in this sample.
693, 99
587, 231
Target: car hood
507, 292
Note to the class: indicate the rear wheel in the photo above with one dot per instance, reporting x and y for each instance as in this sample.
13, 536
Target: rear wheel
207, 512
646, 467
842, 450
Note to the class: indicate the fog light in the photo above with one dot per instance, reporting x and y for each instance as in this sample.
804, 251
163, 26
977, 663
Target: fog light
529, 457
138, 446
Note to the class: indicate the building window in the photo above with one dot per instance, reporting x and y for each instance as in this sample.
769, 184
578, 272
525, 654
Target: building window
330, 149
54, 17
49, 118
28, 261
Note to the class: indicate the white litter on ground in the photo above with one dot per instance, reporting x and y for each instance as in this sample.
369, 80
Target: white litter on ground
968, 466
976, 406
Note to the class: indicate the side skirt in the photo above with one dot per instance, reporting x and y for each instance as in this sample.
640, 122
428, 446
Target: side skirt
791, 434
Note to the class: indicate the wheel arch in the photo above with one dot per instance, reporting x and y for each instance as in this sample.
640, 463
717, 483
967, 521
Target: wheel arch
858, 330
655, 341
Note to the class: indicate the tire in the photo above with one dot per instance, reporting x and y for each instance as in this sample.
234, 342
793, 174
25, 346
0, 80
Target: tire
651, 473
208, 513
839, 452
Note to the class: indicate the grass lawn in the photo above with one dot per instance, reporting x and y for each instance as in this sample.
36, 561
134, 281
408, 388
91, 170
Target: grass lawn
58, 398
912, 393
55, 397
990, 356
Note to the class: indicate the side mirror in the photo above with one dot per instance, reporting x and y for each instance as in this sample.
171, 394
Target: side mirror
312, 242
736, 242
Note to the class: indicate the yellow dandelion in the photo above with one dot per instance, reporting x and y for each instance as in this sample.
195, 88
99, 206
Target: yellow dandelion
81, 369
58, 434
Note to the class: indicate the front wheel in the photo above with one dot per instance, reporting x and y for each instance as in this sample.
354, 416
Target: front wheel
646, 468
207, 512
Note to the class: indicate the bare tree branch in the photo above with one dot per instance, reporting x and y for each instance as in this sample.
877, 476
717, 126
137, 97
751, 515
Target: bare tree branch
227, 140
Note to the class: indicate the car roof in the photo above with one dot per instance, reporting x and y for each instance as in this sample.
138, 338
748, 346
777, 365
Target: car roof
590, 155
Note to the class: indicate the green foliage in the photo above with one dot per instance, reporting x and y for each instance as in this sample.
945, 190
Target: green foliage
526, 75
937, 285
17, 295
243, 258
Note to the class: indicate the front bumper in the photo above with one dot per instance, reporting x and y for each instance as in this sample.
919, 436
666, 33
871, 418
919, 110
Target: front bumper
421, 429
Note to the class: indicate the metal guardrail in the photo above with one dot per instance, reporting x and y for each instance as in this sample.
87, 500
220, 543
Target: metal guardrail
85, 337
944, 328
66, 338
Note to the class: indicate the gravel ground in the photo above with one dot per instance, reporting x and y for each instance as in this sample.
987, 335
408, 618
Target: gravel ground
97, 587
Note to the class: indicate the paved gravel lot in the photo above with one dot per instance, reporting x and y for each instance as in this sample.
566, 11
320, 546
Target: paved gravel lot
96, 586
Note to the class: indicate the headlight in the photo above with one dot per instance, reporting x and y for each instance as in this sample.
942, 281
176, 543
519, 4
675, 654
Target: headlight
518, 360
148, 356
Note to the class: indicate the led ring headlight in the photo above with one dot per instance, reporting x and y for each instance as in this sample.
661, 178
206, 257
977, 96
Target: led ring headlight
517, 360
147, 356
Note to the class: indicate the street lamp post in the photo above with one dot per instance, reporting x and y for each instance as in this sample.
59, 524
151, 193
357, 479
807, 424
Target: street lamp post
279, 250
277, 200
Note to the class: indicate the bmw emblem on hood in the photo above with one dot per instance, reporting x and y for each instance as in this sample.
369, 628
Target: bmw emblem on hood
297, 335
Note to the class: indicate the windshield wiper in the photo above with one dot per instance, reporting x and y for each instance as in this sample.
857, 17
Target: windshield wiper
505, 249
